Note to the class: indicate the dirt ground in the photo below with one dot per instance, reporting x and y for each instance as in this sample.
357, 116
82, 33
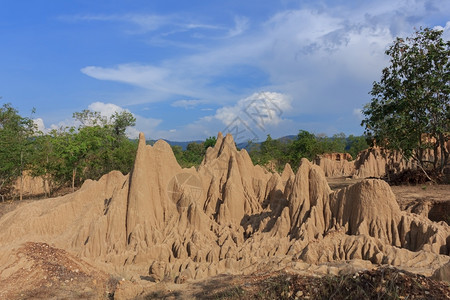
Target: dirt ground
406, 194
39, 271
380, 283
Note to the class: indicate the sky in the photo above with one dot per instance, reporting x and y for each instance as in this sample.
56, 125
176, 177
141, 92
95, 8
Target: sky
189, 69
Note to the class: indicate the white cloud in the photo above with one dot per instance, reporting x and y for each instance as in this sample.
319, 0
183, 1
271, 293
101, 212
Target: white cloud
259, 110
105, 109
39, 123
250, 118
160, 82
446, 29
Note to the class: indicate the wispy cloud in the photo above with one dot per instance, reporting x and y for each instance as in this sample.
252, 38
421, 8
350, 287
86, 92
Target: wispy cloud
146, 76
143, 22
241, 25
163, 26
188, 104
325, 57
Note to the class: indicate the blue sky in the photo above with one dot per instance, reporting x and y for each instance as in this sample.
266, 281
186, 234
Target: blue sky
188, 69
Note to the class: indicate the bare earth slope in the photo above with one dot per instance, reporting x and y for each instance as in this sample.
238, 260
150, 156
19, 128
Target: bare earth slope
165, 223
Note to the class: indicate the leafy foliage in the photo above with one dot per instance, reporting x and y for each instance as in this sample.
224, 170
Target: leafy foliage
194, 153
98, 146
410, 109
356, 144
305, 145
15, 142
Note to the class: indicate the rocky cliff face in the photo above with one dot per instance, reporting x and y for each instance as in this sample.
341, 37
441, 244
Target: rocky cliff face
229, 216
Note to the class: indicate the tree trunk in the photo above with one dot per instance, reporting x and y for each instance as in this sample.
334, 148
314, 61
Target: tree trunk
45, 186
74, 173
435, 154
1, 185
21, 176
443, 152
21, 187
420, 164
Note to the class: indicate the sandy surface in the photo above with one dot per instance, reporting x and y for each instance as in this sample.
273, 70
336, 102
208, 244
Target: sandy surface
405, 193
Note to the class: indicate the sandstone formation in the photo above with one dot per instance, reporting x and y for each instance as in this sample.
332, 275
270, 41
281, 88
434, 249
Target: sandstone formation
337, 156
373, 162
165, 222
31, 186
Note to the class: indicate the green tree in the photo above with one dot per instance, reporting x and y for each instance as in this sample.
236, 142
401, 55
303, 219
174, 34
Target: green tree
271, 151
305, 145
326, 144
210, 142
193, 155
104, 143
356, 144
16, 134
338, 143
120, 121
410, 110
44, 160
90, 118
97, 146
178, 152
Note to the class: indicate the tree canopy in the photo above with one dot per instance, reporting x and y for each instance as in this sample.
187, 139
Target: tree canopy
68, 155
410, 109
15, 134
304, 145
